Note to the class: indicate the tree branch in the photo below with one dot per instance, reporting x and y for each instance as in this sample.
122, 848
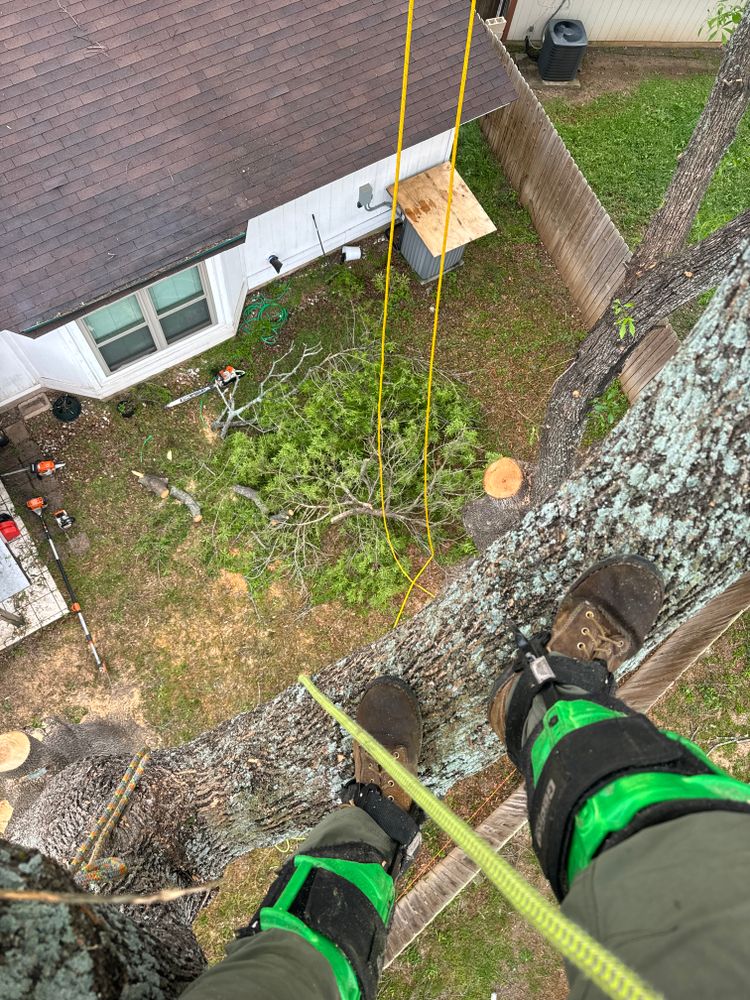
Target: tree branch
655, 292
713, 134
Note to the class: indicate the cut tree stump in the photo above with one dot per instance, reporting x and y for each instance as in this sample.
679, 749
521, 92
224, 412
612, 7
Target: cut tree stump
503, 479
15, 747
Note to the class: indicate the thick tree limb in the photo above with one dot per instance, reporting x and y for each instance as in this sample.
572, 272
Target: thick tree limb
655, 292
250, 494
715, 131
272, 772
189, 501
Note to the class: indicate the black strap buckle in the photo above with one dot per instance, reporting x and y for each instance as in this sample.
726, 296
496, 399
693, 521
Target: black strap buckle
402, 827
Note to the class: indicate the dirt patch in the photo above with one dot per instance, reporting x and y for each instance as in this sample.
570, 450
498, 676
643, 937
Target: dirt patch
233, 583
620, 70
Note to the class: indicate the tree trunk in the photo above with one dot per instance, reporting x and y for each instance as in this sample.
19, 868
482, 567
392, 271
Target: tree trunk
273, 772
712, 136
83, 952
655, 293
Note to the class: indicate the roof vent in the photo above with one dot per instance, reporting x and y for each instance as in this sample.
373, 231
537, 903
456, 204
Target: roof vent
563, 49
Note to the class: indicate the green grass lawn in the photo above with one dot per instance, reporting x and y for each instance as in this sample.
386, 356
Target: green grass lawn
627, 146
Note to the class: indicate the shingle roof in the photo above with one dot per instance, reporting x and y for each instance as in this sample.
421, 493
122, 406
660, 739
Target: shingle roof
136, 133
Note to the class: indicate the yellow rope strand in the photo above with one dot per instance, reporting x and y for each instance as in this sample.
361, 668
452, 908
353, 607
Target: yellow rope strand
603, 968
438, 294
386, 293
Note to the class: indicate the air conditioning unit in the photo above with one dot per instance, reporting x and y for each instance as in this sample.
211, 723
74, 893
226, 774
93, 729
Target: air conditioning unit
563, 49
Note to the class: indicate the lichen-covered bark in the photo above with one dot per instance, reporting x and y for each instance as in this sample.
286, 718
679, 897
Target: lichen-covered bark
81, 952
673, 485
655, 292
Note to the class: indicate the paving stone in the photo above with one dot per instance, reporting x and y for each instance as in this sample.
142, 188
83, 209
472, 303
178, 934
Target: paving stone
34, 406
17, 432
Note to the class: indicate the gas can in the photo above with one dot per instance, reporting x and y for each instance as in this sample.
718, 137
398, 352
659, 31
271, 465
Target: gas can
8, 527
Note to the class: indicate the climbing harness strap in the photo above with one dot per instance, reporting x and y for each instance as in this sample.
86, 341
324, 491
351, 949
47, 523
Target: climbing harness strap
107, 869
595, 961
403, 828
339, 899
533, 669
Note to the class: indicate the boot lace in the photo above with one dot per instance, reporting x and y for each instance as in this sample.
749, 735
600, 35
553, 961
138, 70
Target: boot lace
373, 774
600, 642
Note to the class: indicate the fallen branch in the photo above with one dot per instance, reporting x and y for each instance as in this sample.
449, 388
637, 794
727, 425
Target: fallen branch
250, 494
190, 502
160, 486
154, 484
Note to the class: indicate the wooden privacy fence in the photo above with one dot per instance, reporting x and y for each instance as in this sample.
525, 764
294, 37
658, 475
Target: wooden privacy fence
585, 245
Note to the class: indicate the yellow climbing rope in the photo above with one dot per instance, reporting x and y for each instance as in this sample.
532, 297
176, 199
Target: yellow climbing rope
438, 295
414, 581
603, 968
106, 869
387, 289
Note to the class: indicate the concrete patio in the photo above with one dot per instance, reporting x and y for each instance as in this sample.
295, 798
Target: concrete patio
26, 584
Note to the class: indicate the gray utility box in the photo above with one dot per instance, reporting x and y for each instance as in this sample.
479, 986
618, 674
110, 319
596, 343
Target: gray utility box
563, 48
419, 257
423, 200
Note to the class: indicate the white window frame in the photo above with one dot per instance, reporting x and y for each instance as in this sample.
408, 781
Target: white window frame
151, 320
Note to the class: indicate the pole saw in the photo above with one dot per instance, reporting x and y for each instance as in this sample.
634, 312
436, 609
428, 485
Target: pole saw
223, 378
64, 521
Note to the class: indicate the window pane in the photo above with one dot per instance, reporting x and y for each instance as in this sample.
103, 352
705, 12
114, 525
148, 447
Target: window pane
184, 321
106, 322
174, 291
133, 345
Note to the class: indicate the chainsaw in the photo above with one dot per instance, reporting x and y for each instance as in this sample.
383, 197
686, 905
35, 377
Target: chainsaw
224, 377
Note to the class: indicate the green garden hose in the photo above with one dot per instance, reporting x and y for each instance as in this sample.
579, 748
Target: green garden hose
269, 311
603, 968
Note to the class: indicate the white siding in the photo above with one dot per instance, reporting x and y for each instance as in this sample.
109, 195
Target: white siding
17, 377
653, 21
63, 360
289, 232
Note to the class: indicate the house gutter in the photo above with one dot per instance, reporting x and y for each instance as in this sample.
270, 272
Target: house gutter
39, 329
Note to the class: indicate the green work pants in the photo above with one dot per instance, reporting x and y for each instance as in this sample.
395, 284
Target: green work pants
279, 965
673, 902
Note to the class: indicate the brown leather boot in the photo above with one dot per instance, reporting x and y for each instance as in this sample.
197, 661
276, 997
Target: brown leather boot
605, 615
389, 711
608, 611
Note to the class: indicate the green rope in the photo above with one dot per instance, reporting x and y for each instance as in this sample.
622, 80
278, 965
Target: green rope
268, 311
603, 968
146, 440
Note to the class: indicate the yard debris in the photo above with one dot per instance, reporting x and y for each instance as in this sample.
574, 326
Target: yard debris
160, 486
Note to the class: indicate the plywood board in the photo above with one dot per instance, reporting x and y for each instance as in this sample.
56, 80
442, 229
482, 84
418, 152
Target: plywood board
423, 199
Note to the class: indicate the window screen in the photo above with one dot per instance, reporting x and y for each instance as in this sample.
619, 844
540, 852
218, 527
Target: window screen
120, 332
180, 304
